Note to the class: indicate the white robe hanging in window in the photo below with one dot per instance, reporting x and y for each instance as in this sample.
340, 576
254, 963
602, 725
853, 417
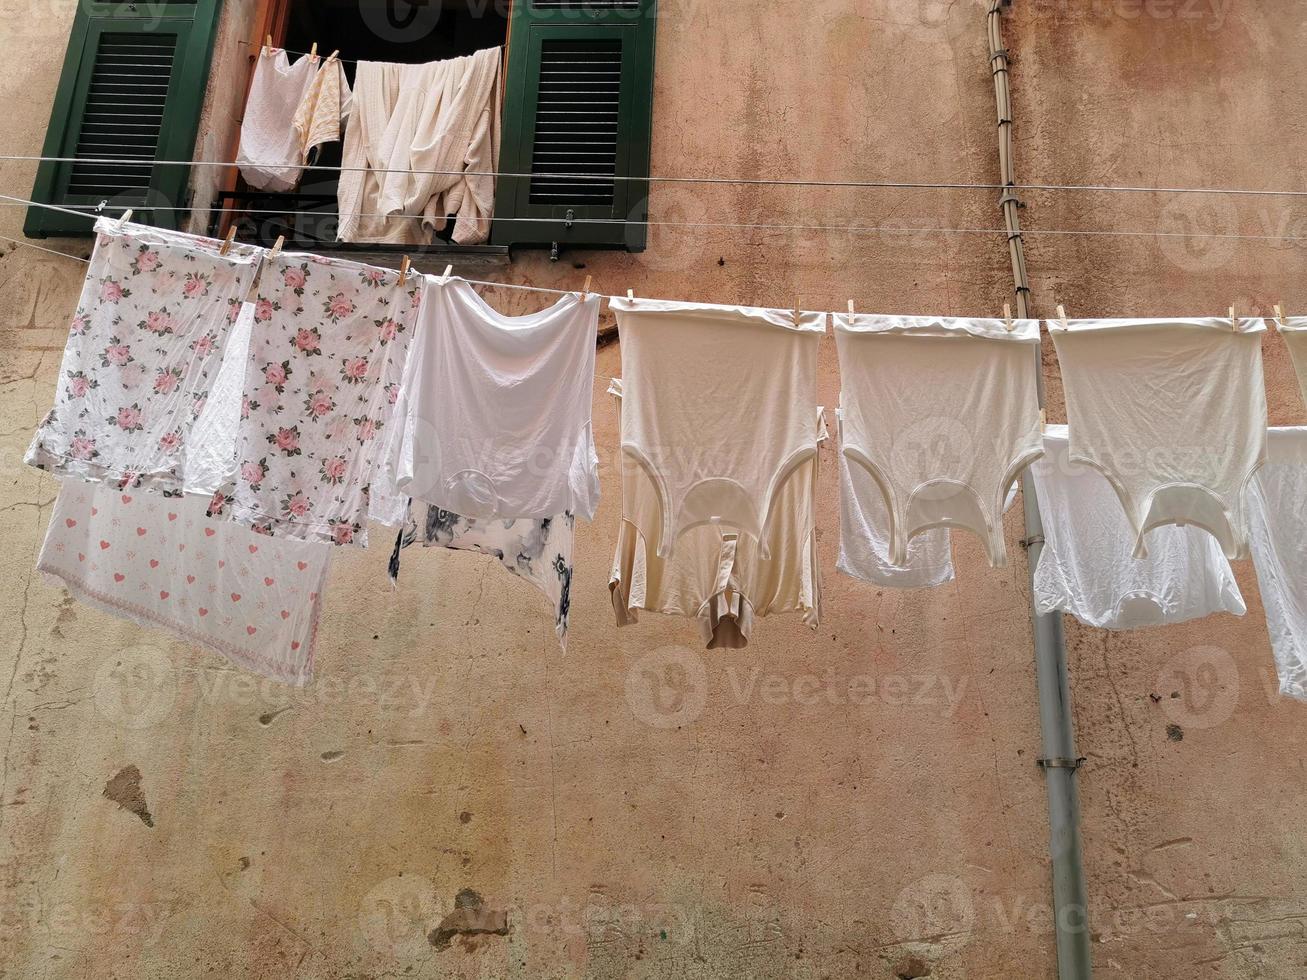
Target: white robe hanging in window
423, 143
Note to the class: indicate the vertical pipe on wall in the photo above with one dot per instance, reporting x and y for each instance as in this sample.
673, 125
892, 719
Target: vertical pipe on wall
1059, 759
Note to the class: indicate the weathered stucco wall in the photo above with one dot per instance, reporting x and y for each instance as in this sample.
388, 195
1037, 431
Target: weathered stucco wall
859, 801
1193, 851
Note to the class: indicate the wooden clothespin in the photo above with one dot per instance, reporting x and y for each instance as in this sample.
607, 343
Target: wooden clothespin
313, 51
1234, 321
226, 242
1043, 420
268, 43
124, 218
585, 290
448, 271
276, 246
1279, 315
403, 271
851, 313
1007, 316
796, 311
332, 57
630, 295
1061, 316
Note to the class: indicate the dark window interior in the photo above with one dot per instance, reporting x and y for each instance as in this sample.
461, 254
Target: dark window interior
364, 30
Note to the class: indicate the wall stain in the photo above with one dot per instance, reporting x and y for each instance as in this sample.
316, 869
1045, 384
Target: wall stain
125, 790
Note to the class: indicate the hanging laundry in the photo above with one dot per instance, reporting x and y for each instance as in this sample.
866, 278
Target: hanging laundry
1277, 509
1173, 413
271, 154
159, 561
423, 142
144, 345
320, 386
494, 411
538, 551
717, 409
321, 117
1087, 568
865, 544
717, 577
1294, 331
940, 416
211, 463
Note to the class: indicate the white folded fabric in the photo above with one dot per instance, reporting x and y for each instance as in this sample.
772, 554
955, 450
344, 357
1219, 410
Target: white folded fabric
1277, 507
271, 153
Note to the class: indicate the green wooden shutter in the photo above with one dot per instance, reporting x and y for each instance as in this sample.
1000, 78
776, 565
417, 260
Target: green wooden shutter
131, 91
577, 117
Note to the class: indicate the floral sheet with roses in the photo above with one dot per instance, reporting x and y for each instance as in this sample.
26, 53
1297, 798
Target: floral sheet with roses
326, 360
539, 551
145, 342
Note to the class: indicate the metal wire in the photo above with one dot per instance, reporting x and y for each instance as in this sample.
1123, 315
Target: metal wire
92, 211
740, 181
42, 248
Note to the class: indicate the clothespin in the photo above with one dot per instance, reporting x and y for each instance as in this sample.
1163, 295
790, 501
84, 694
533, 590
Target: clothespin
1007, 316
332, 57
276, 246
851, 313
1043, 420
445, 278
226, 242
585, 290
630, 295
1234, 321
268, 43
313, 51
403, 271
1061, 315
796, 311
1279, 315
126, 217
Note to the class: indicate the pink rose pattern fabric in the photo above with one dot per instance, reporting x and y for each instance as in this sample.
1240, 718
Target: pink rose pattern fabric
323, 375
144, 345
160, 561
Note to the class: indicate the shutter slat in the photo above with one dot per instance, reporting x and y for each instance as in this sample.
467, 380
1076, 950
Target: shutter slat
124, 113
576, 127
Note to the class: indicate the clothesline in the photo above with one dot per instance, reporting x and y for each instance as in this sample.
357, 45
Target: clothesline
315, 240
42, 248
90, 210
307, 54
251, 402
743, 181
55, 207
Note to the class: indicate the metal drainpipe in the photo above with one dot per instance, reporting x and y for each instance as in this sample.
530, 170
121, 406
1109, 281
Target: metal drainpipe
1059, 759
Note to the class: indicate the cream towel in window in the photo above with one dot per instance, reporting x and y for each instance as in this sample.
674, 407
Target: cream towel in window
321, 117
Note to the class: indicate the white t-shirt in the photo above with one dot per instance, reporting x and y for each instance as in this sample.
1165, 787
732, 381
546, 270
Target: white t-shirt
494, 412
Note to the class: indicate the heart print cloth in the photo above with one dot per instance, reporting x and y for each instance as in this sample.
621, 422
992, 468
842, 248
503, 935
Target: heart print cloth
159, 561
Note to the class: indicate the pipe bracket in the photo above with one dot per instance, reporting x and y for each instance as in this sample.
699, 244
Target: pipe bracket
1060, 763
